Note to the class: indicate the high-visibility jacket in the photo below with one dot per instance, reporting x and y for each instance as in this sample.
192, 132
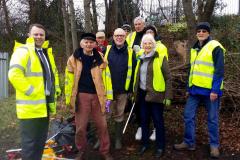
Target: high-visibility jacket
160, 49
202, 67
158, 79
130, 38
107, 74
26, 75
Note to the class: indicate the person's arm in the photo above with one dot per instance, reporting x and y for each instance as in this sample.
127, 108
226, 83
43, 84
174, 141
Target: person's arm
17, 70
168, 79
218, 61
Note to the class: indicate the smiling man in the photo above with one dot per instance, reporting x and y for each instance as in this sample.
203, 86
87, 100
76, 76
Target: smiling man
134, 38
118, 79
34, 75
205, 84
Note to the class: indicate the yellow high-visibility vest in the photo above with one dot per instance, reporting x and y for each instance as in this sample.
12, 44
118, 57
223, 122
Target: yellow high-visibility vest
107, 74
158, 79
26, 75
130, 39
202, 67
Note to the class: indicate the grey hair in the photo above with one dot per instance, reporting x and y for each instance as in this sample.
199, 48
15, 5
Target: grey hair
139, 19
148, 37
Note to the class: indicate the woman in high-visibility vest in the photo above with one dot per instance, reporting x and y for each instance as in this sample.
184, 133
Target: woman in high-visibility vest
160, 49
153, 88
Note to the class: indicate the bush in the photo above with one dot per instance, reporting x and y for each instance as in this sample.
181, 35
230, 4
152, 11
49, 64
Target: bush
226, 29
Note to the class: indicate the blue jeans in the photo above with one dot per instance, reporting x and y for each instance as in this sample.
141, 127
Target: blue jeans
154, 110
212, 121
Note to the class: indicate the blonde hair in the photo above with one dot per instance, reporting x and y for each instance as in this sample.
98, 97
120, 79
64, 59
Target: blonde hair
148, 37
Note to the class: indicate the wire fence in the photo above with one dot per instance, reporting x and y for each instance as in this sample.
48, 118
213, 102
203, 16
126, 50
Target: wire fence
3, 75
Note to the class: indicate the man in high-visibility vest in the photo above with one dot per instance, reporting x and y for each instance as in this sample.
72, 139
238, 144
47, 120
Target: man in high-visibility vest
134, 38
205, 84
34, 75
118, 79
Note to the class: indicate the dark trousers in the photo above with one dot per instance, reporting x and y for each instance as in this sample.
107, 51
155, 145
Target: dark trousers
34, 134
152, 110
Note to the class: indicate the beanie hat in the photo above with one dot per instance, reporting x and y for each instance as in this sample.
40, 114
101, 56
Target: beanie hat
151, 27
126, 27
204, 25
100, 34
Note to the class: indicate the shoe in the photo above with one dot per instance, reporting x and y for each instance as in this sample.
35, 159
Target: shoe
107, 156
138, 135
79, 156
158, 153
118, 134
214, 152
142, 150
184, 146
153, 136
96, 145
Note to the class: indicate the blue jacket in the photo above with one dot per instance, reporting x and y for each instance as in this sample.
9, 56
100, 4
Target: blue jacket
218, 60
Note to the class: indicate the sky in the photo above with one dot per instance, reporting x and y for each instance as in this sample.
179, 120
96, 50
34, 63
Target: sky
232, 7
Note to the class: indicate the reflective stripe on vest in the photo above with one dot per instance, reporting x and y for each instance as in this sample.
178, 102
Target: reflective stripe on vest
107, 74
158, 79
202, 67
130, 39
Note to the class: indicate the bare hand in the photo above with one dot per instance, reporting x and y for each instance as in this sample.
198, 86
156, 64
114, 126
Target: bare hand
186, 94
213, 96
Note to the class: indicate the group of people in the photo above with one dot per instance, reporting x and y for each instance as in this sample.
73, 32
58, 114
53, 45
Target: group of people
99, 80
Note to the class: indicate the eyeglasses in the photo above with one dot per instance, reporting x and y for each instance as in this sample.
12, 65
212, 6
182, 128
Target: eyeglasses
201, 30
119, 35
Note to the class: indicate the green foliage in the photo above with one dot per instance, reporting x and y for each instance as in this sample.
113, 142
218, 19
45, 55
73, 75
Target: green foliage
177, 27
226, 29
179, 30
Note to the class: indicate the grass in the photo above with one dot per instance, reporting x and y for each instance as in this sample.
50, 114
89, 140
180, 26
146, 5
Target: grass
9, 137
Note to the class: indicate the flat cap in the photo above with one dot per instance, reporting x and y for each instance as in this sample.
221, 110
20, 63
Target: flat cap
88, 36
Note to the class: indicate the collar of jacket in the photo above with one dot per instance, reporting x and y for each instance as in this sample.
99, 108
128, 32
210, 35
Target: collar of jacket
120, 49
30, 41
197, 46
149, 55
79, 53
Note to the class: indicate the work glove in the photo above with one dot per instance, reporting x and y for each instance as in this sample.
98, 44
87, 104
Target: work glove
167, 102
58, 92
107, 107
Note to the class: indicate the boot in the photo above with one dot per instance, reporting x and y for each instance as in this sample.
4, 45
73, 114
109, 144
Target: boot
118, 135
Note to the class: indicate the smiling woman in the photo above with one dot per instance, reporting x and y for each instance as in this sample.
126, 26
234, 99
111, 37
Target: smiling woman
148, 43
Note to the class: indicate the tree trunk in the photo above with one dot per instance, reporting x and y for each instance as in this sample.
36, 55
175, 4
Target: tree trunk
73, 25
239, 7
88, 15
178, 11
8, 25
112, 16
66, 28
191, 23
94, 17
206, 10
32, 11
